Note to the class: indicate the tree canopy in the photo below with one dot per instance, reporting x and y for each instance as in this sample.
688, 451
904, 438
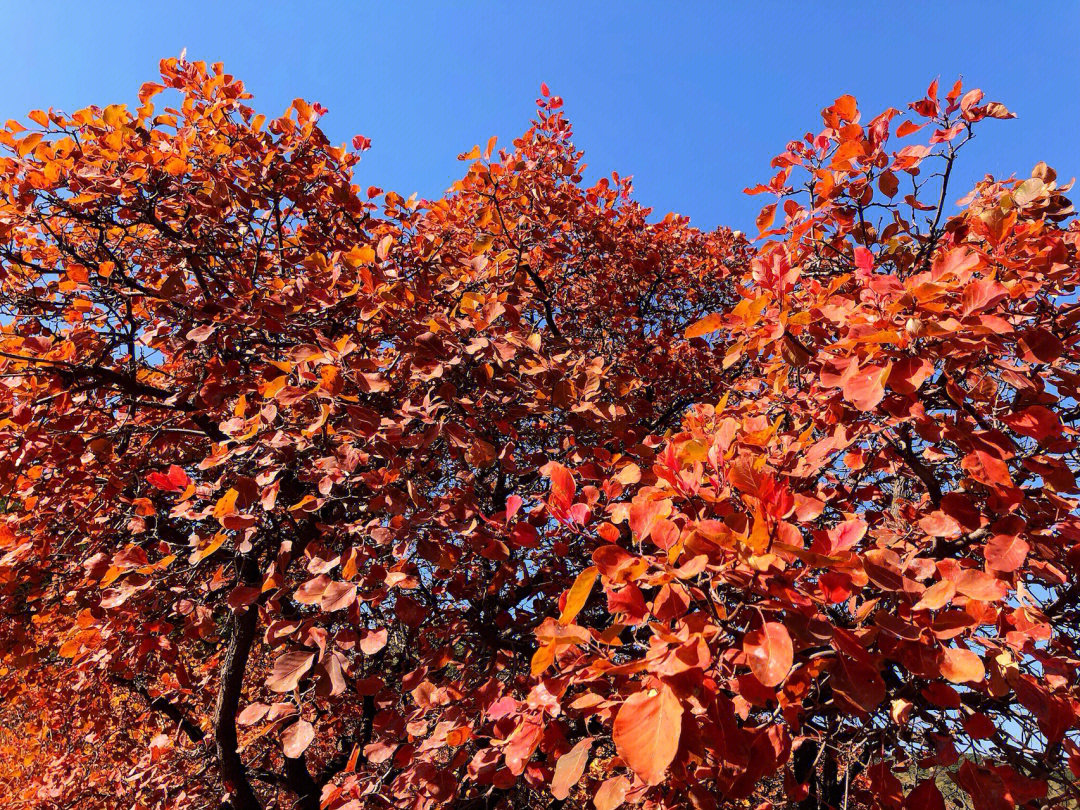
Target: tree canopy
320, 497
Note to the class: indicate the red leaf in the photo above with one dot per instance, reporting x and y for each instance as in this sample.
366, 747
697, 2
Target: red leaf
611, 559
311, 592
985, 787
644, 512
1040, 346
907, 128
523, 743
562, 486
1005, 552
337, 596
1035, 421
846, 535
252, 713
765, 219
888, 183
970, 99
925, 796
176, 480
864, 259
987, 469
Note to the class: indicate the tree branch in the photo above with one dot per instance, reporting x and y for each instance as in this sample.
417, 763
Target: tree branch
916, 465
167, 708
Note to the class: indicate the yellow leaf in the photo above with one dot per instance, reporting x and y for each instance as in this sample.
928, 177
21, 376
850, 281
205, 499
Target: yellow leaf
749, 310
578, 595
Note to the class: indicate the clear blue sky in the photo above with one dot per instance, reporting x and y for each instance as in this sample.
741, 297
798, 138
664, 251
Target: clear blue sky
692, 99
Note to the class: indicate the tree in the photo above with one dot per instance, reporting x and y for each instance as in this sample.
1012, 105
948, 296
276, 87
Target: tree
516, 497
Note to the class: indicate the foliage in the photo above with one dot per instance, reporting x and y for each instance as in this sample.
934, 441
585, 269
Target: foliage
322, 497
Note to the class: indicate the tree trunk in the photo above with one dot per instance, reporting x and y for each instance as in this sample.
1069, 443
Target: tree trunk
299, 780
233, 772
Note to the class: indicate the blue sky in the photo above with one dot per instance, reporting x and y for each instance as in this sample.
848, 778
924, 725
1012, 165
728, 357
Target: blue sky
692, 99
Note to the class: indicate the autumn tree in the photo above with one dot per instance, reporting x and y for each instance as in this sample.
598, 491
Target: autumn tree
320, 497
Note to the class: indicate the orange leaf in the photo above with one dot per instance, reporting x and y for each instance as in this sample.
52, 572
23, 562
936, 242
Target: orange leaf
646, 732
148, 91
845, 107
769, 652
866, 387
569, 768
208, 549
936, 596
226, 504
578, 595
542, 658
907, 128
961, 666
288, 670
28, 143
987, 469
1006, 552
980, 585
705, 326
612, 793
765, 218
296, 738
